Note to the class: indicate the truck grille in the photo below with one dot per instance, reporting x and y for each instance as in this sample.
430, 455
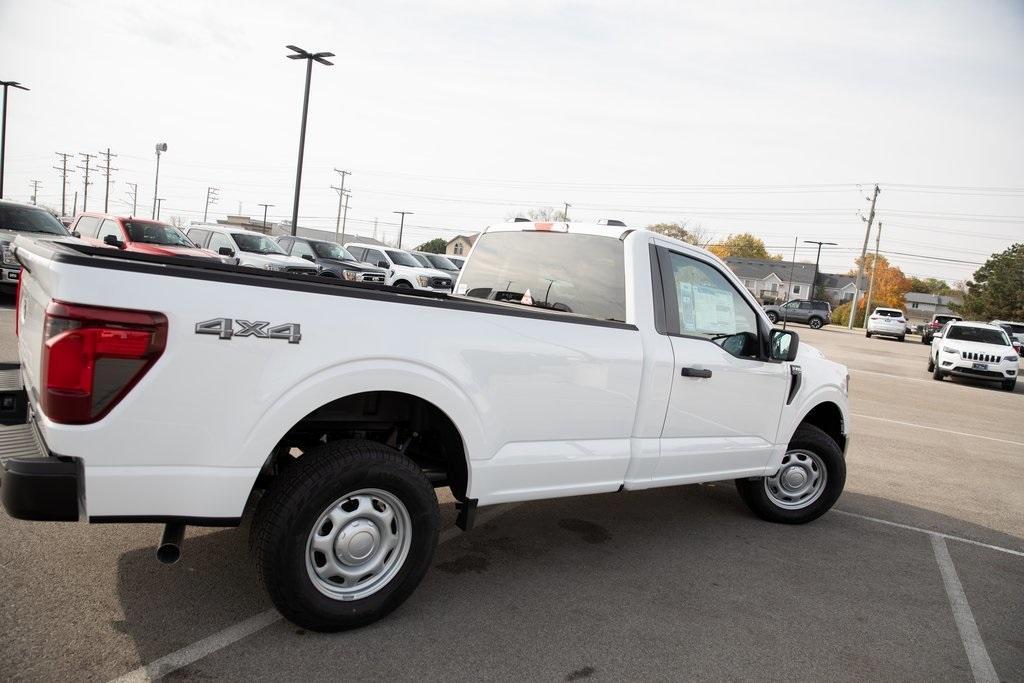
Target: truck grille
441, 283
302, 271
372, 277
991, 374
982, 357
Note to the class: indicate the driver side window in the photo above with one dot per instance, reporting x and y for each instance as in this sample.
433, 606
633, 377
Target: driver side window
708, 307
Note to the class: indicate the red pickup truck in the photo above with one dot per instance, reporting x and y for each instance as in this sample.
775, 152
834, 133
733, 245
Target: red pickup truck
136, 234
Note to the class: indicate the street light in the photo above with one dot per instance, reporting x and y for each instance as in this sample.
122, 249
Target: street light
310, 57
159, 202
265, 207
3, 130
160, 147
814, 282
401, 225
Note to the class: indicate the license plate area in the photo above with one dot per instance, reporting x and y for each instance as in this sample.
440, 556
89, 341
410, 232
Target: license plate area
980, 366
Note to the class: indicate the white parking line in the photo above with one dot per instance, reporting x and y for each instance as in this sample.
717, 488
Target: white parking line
977, 655
938, 429
876, 520
232, 634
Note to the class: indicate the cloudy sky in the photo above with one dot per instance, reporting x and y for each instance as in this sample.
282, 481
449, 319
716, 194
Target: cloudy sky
772, 118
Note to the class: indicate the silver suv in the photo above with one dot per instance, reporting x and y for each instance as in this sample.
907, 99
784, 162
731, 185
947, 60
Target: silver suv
815, 314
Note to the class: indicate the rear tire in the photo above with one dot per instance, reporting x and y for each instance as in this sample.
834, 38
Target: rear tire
901, 338
1009, 384
815, 323
773, 316
867, 334
356, 490
812, 453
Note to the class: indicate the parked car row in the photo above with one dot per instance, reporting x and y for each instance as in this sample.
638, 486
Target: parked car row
976, 350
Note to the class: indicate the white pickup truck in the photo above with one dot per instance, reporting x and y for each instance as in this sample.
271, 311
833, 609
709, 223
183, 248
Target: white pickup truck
571, 359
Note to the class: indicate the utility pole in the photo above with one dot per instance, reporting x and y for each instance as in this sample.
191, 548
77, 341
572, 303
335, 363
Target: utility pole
310, 57
35, 189
792, 269
814, 282
863, 254
3, 130
160, 147
211, 198
87, 158
75, 210
106, 172
63, 168
401, 226
565, 214
265, 207
134, 194
159, 204
874, 269
344, 216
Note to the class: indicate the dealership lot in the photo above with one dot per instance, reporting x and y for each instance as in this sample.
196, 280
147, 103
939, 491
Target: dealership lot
672, 583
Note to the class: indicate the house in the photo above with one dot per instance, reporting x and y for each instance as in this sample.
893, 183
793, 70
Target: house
920, 307
838, 288
774, 281
460, 244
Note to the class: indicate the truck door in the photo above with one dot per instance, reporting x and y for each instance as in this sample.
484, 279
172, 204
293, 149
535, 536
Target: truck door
726, 397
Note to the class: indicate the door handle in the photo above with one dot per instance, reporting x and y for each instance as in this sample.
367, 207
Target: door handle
696, 372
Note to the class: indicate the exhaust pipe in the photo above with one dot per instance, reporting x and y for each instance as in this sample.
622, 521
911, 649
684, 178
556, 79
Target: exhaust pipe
169, 550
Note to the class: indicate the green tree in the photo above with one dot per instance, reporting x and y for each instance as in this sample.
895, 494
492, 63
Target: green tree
743, 245
434, 246
997, 288
931, 285
695, 235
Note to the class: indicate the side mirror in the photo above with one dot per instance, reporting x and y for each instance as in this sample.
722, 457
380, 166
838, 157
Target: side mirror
111, 240
226, 251
75, 233
383, 264
309, 257
783, 345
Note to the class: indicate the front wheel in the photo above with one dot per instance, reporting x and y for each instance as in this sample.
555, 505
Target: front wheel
815, 323
1009, 384
937, 374
402, 284
345, 535
808, 483
773, 316
901, 338
931, 364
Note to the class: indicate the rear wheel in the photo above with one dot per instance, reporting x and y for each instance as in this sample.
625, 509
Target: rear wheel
901, 338
808, 483
867, 334
1009, 384
815, 323
345, 535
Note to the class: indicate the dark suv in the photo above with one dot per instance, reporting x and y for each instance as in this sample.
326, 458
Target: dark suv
936, 324
333, 259
815, 314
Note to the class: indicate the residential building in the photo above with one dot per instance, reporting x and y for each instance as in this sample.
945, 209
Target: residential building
838, 288
773, 282
460, 245
920, 307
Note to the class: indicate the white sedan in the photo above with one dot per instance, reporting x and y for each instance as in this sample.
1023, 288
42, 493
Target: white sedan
976, 350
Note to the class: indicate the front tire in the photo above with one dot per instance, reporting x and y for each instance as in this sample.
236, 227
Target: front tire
808, 483
402, 284
901, 338
937, 374
1009, 384
815, 323
931, 364
345, 535
773, 316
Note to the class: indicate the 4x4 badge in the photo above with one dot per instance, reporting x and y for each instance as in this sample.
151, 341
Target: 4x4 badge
224, 328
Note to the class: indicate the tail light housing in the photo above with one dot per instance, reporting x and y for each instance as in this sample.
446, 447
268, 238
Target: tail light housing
92, 357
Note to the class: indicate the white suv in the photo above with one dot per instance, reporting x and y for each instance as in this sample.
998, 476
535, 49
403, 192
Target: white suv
403, 269
976, 350
888, 322
251, 248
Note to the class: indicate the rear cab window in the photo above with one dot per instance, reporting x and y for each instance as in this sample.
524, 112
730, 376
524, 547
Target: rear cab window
558, 271
889, 312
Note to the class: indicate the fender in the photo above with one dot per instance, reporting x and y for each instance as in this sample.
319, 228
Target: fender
828, 381
367, 374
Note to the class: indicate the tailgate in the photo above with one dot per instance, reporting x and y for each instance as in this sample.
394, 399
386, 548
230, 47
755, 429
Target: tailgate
38, 278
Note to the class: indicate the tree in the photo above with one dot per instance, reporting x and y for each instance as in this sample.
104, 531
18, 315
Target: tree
542, 213
743, 245
434, 246
695, 235
996, 291
179, 222
931, 285
890, 288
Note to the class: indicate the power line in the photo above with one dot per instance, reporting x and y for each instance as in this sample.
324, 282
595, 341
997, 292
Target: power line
35, 188
63, 168
87, 158
211, 198
106, 172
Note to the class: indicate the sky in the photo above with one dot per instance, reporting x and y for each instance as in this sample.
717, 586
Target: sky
771, 118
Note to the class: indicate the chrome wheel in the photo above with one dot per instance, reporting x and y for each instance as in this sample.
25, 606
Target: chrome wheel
815, 323
799, 481
358, 544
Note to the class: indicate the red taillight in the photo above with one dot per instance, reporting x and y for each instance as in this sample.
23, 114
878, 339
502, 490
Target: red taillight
93, 356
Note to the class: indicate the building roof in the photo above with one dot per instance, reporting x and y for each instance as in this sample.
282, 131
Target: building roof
469, 238
934, 299
835, 280
759, 269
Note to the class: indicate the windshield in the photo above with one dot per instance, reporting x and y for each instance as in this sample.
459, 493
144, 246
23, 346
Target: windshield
422, 260
332, 250
888, 313
402, 258
981, 335
157, 233
255, 243
439, 261
573, 273
27, 219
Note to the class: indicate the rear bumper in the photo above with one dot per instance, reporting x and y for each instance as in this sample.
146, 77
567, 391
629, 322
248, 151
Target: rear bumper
35, 485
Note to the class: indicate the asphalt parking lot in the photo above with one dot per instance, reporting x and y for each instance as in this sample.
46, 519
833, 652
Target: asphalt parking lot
918, 574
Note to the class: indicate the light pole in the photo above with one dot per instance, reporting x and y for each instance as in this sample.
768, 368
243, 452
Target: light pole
265, 207
814, 282
159, 202
3, 130
160, 147
401, 225
310, 57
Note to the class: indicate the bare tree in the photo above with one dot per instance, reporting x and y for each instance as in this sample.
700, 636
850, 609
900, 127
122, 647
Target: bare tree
696, 235
179, 222
541, 213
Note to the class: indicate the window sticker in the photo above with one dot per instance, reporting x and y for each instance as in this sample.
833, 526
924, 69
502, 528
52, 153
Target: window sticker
684, 292
714, 310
